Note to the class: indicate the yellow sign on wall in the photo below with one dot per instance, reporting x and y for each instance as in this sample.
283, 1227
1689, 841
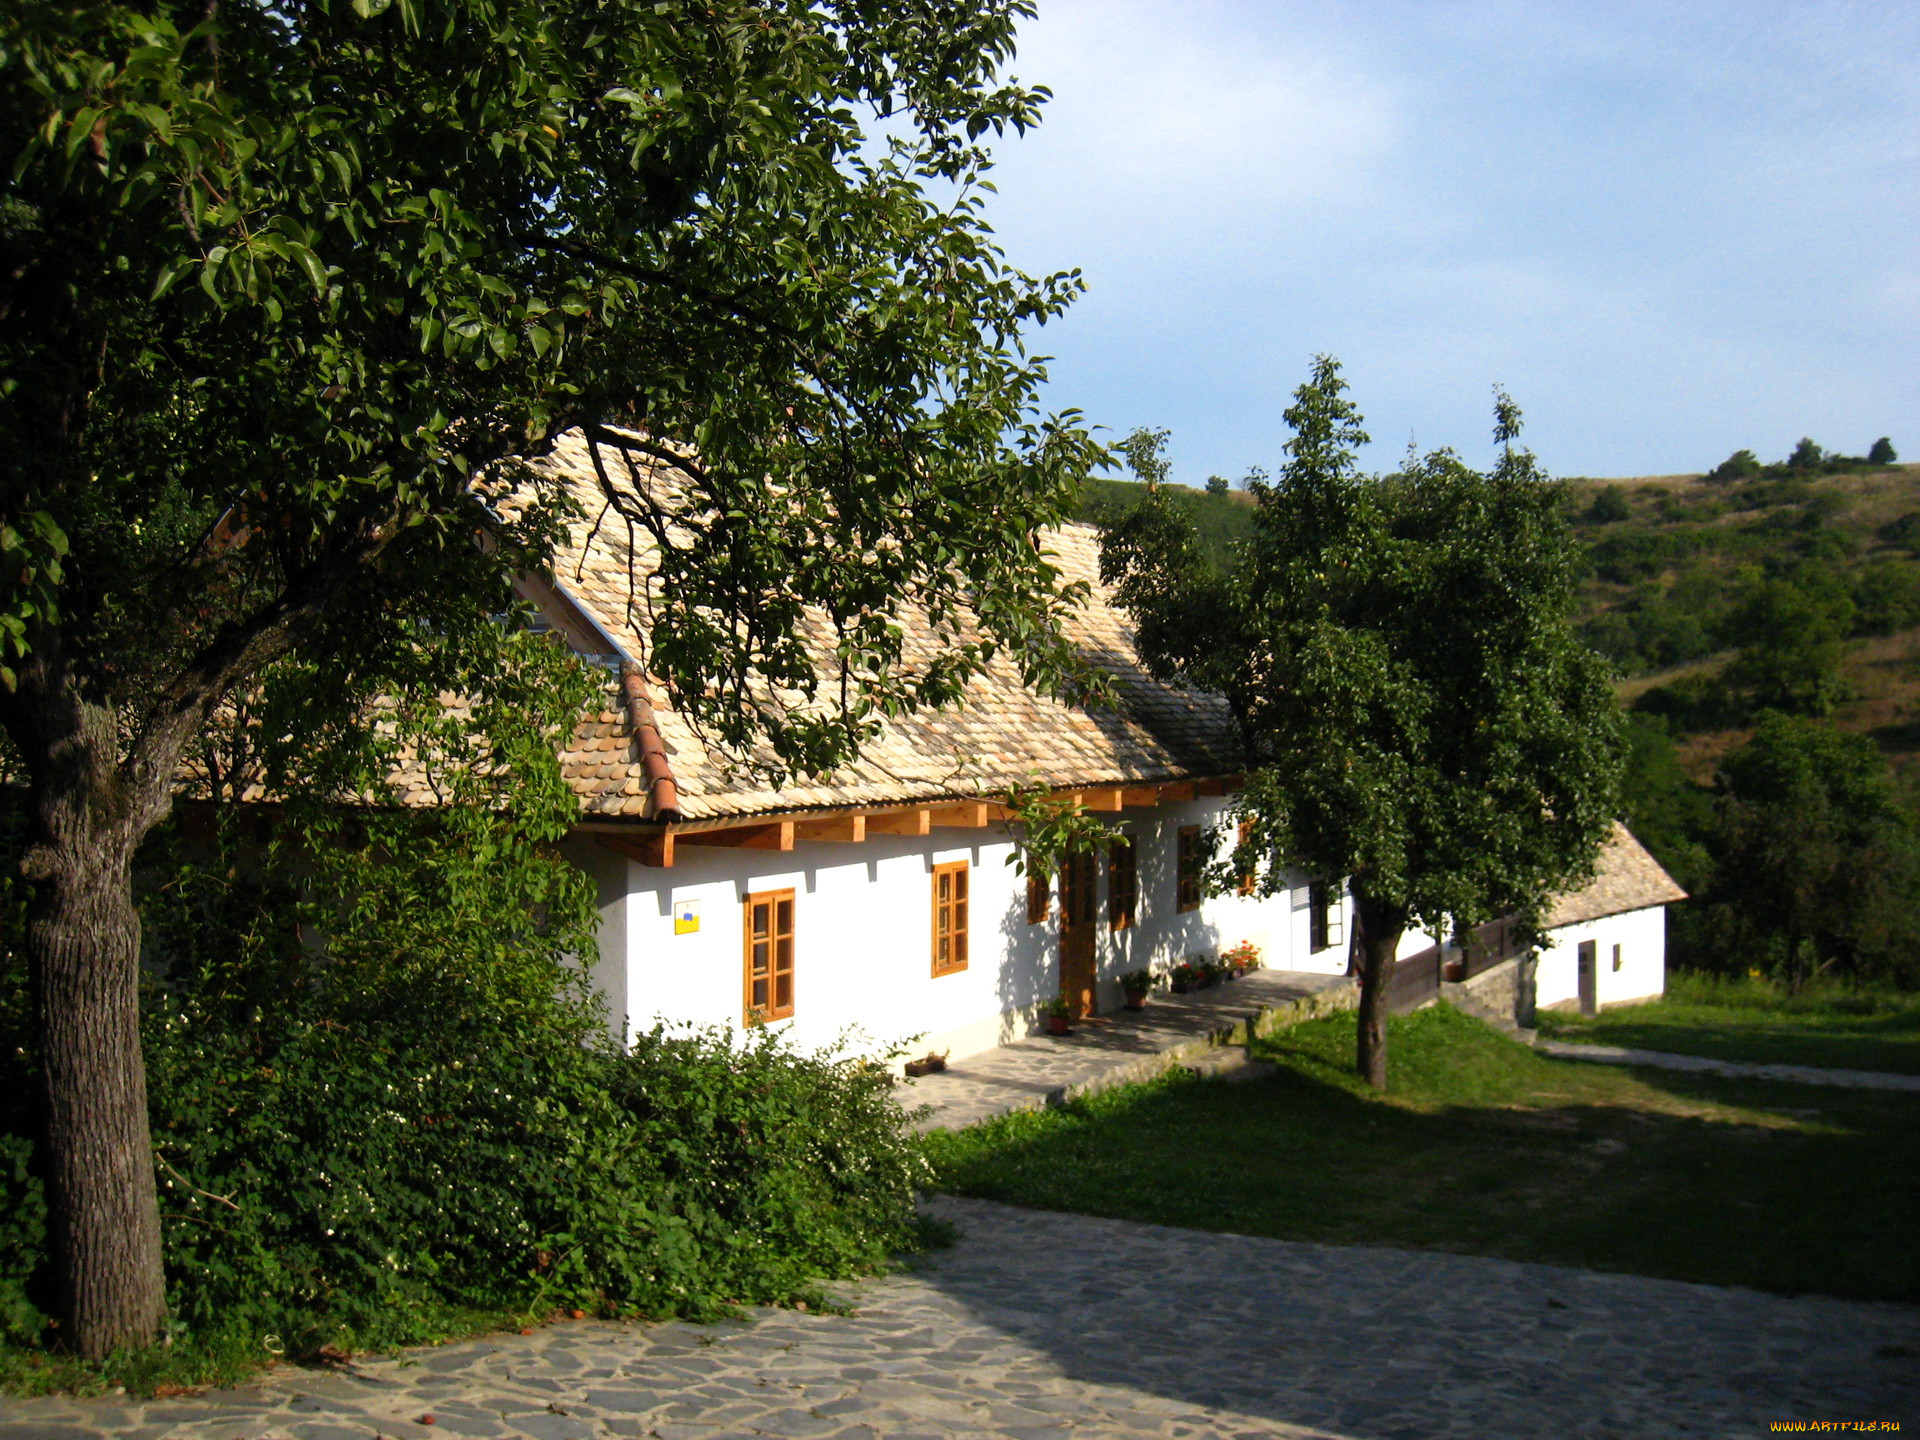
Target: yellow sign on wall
686, 917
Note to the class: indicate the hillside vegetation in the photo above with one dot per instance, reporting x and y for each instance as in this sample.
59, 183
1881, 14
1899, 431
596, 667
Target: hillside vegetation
1764, 622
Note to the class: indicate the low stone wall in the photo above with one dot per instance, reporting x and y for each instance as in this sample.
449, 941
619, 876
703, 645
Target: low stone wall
1264, 1021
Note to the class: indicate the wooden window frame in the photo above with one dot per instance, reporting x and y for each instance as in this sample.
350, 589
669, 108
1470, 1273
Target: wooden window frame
1085, 896
1187, 864
1123, 883
772, 899
1325, 921
952, 915
1039, 900
1249, 880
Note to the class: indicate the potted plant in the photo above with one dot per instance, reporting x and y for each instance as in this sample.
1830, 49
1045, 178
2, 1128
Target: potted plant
932, 1063
1242, 959
1187, 977
1134, 985
1059, 1015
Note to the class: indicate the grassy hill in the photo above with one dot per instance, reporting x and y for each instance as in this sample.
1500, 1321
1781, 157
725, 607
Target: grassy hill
1680, 570
1220, 519
1720, 598
1674, 564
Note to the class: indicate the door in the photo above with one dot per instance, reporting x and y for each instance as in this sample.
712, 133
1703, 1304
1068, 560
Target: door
1079, 902
1589, 977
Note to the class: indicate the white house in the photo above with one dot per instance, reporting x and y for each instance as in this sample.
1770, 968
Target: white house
1607, 941
880, 902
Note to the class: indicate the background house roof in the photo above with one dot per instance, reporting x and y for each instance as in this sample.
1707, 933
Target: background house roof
1001, 735
1626, 878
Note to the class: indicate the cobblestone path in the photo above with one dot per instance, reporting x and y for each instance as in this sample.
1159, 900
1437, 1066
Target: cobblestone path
1037, 1326
1734, 1069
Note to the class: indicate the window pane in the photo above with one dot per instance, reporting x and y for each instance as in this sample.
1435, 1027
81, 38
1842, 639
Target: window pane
759, 957
760, 994
783, 992
786, 917
759, 921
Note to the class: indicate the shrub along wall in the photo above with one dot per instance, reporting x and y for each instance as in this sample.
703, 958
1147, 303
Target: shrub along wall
350, 1154
382, 1095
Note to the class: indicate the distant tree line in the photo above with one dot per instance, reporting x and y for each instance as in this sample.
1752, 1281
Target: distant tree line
1802, 856
1808, 458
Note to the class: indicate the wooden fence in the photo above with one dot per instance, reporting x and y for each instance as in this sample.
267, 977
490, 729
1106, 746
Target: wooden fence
1414, 981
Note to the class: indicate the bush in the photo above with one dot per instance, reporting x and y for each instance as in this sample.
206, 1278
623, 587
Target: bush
385, 1104
1609, 507
433, 1122
1741, 465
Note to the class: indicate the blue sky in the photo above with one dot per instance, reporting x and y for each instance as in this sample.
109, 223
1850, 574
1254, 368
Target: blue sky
1670, 230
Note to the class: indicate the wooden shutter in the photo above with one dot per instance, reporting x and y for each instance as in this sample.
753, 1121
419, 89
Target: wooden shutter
1038, 900
769, 956
1123, 884
1187, 878
1079, 897
950, 907
1248, 880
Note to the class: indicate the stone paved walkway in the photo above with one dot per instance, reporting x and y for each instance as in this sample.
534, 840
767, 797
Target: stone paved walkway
1129, 1046
1735, 1069
1055, 1327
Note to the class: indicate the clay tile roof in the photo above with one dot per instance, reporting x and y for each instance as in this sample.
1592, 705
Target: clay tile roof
1002, 734
1626, 878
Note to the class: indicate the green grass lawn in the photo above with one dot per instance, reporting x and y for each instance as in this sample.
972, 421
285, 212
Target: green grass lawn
1487, 1148
1756, 1020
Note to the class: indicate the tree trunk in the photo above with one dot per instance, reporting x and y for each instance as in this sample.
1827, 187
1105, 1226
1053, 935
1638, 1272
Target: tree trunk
83, 936
103, 1210
1380, 929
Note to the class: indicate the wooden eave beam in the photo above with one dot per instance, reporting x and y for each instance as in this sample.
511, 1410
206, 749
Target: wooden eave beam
851, 829
967, 815
1103, 798
775, 836
917, 821
655, 849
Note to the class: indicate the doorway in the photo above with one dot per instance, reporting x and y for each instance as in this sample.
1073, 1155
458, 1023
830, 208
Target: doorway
1589, 977
1079, 902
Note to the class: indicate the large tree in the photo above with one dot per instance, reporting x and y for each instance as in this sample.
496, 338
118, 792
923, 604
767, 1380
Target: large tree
1398, 656
291, 289
1818, 867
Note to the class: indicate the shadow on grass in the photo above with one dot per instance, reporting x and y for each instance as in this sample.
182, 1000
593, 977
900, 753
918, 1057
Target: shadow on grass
1491, 1149
1888, 1040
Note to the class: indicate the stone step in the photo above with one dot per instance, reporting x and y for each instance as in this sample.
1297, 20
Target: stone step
1467, 1003
1228, 1062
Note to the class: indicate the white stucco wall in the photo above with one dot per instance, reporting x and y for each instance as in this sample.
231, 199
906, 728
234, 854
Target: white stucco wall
862, 934
1642, 938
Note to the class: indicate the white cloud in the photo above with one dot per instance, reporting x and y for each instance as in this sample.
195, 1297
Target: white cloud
1166, 135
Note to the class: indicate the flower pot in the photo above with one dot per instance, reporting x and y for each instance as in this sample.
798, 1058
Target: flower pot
1454, 971
1136, 1002
1059, 1025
